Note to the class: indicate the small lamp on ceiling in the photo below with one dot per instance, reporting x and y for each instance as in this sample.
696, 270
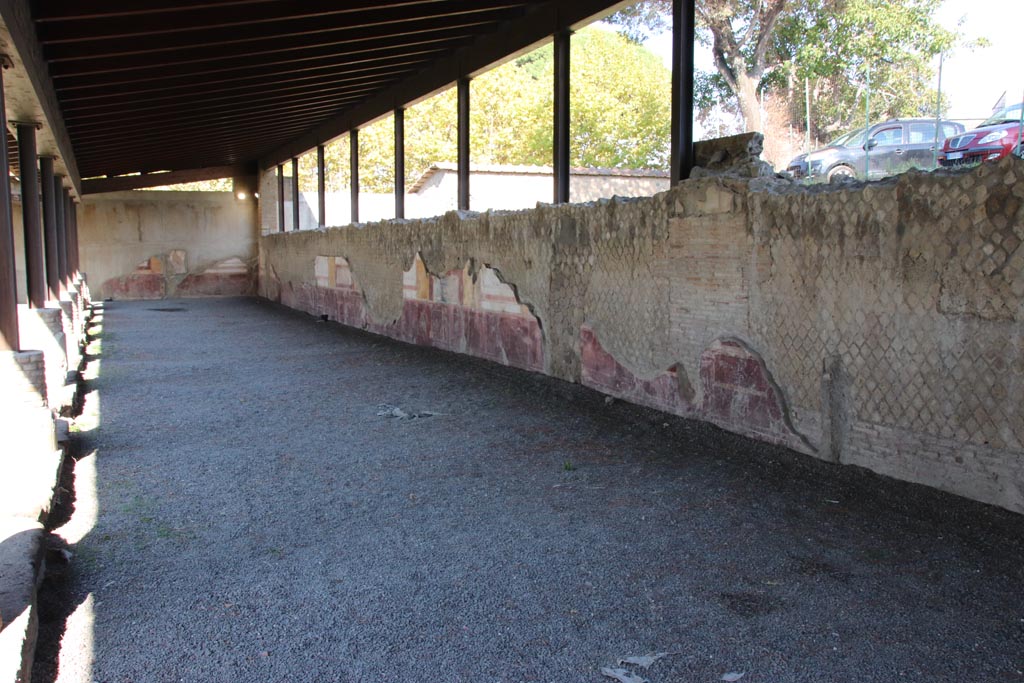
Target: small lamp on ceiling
244, 187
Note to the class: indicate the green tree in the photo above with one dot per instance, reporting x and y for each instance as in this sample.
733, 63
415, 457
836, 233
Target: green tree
620, 103
620, 117
760, 45
832, 45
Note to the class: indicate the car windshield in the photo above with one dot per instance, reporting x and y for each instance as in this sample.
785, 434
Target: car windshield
855, 139
848, 139
1004, 116
840, 141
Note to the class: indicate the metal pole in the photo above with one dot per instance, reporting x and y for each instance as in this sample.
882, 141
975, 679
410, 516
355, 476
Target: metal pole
463, 142
50, 228
807, 103
280, 197
938, 115
1020, 133
62, 232
321, 186
561, 152
35, 271
399, 163
683, 38
353, 164
9, 339
867, 127
295, 193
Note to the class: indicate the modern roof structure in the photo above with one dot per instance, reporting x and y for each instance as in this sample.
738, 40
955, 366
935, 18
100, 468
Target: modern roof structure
160, 85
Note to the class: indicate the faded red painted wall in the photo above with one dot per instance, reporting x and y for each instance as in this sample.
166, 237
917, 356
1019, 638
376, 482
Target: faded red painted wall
878, 325
151, 244
511, 336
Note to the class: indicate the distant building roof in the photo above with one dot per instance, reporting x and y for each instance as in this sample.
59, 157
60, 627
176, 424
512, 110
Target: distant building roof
509, 169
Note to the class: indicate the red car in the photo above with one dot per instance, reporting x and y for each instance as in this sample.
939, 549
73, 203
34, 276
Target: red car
994, 139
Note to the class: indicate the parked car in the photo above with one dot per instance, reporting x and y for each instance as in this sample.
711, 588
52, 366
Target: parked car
992, 140
890, 147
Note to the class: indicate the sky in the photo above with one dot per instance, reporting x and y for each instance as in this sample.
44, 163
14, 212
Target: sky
972, 79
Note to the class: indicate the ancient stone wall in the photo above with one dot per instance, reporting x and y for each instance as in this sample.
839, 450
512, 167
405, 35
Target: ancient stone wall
155, 244
878, 325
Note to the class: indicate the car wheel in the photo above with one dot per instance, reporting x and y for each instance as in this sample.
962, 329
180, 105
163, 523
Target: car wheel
841, 173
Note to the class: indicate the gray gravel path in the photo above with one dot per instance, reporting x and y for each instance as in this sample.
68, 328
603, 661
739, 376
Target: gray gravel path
257, 520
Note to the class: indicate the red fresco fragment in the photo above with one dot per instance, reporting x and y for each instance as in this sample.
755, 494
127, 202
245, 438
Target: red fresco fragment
216, 284
601, 371
505, 338
739, 393
139, 285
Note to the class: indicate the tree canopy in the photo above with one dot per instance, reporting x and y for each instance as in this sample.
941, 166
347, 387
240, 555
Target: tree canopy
620, 114
780, 45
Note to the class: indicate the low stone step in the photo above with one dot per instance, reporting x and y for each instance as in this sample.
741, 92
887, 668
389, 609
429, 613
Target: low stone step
21, 570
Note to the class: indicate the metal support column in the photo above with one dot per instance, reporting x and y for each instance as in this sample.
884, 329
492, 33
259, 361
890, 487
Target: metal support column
321, 187
295, 193
8, 282
561, 108
463, 142
50, 229
35, 270
353, 165
683, 37
62, 233
280, 197
72, 229
399, 163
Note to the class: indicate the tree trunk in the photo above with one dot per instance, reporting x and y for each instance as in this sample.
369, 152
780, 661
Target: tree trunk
750, 108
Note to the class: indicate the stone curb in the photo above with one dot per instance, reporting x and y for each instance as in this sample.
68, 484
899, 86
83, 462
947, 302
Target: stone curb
26, 502
21, 571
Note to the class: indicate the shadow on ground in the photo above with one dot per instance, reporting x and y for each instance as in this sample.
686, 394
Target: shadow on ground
266, 514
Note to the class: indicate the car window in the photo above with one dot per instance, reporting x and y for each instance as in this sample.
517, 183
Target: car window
949, 130
888, 136
921, 133
1011, 113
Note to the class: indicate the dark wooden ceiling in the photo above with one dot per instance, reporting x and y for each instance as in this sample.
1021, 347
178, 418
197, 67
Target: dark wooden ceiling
154, 85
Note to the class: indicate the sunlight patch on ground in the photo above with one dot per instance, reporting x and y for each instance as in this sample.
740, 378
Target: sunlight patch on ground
76, 647
86, 503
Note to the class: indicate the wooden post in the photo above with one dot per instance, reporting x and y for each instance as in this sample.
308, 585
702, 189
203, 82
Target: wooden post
9, 340
561, 108
321, 186
463, 143
50, 229
35, 270
683, 37
353, 164
399, 163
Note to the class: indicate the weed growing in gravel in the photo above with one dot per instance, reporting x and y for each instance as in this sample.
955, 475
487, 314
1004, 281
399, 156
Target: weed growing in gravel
568, 466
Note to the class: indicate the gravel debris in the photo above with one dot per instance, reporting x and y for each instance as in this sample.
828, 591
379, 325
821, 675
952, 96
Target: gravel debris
255, 519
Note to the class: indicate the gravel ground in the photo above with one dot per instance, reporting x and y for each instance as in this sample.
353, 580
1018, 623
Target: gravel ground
244, 513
